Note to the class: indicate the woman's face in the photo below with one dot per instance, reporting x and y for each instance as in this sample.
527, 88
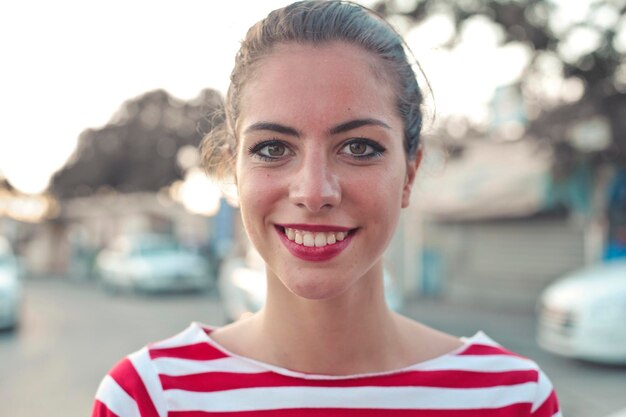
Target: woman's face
321, 169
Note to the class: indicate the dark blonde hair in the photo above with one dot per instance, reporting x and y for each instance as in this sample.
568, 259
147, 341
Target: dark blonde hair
319, 22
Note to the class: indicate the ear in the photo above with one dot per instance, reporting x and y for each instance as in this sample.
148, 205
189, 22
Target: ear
411, 170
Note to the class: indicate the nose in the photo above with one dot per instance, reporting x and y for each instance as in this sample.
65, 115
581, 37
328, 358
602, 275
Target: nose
315, 187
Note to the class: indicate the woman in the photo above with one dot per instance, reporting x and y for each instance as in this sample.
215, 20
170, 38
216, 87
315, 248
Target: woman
322, 123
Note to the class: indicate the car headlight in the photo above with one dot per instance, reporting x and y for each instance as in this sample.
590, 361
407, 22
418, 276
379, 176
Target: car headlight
611, 308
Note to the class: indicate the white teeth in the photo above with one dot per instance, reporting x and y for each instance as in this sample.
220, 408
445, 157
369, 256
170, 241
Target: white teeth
311, 239
320, 239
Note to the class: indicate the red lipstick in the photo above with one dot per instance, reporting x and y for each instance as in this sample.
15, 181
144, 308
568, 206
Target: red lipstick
314, 253
315, 227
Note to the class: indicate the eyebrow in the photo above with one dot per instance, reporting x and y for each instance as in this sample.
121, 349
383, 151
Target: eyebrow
354, 124
342, 128
274, 127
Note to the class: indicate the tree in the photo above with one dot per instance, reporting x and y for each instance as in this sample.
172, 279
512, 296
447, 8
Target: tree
137, 150
585, 44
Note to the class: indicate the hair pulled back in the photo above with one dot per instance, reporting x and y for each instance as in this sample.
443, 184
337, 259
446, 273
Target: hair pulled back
317, 22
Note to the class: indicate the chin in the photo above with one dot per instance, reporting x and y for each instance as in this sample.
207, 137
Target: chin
315, 292
315, 289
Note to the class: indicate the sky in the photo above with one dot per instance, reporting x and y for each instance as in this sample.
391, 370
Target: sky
68, 65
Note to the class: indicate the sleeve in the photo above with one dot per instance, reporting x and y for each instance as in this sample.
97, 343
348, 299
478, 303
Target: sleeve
545, 403
127, 391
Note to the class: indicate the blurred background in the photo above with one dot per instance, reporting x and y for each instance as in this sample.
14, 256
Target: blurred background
111, 235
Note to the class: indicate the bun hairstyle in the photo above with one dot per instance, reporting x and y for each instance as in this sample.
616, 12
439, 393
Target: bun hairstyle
318, 22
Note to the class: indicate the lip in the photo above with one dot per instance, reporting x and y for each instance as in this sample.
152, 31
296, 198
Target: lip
313, 253
315, 227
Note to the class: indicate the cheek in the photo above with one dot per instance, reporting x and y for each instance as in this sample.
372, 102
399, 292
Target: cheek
250, 193
382, 190
257, 194
384, 198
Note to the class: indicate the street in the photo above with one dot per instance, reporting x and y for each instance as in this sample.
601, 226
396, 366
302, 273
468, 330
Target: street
73, 333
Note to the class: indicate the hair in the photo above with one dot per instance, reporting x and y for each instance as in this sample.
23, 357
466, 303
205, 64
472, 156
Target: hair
318, 22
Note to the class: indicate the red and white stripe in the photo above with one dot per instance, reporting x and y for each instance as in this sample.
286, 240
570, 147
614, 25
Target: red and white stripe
189, 375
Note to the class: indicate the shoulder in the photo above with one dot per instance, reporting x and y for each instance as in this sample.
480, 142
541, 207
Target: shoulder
515, 376
483, 352
492, 376
135, 385
130, 388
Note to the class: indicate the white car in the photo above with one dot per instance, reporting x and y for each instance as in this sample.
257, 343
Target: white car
583, 315
152, 262
11, 288
242, 286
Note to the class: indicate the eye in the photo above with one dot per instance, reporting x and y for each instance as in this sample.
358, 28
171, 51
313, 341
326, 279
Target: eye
357, 148
274, 150
270, 150
361, 148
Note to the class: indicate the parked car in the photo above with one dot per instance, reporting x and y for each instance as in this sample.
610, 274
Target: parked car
11, 287
583, 315
152, 262
241, 285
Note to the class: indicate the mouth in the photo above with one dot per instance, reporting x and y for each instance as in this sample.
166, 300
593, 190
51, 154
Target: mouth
314, 239
315, 242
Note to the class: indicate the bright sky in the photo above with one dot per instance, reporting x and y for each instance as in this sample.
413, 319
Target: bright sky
68, 65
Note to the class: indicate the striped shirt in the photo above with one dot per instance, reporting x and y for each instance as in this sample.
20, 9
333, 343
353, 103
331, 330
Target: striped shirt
190, 375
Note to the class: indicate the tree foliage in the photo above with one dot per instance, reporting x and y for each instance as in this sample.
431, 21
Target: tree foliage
137, 150
542, 25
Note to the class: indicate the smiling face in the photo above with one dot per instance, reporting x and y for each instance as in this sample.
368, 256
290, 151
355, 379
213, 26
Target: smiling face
321, 168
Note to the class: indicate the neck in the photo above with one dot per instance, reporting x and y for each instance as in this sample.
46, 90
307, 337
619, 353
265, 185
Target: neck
350, 334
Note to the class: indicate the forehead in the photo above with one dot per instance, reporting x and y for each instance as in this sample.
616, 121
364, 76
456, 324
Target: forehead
317, 83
